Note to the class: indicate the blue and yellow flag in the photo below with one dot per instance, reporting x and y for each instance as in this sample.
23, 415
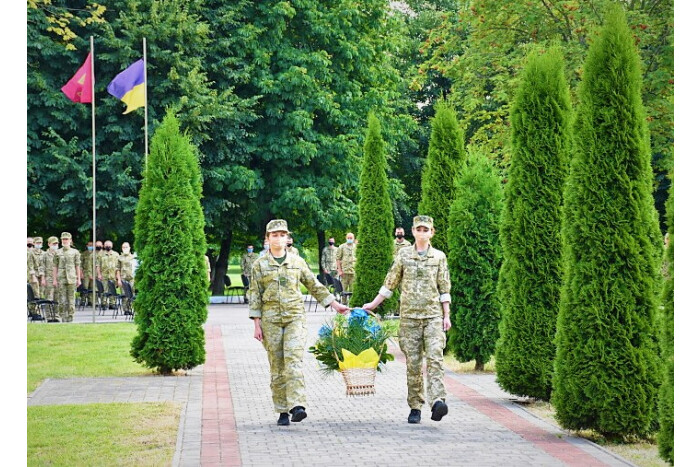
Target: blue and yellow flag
129, 86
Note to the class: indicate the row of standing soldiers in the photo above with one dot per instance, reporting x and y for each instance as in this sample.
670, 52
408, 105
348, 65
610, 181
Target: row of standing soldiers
56, 273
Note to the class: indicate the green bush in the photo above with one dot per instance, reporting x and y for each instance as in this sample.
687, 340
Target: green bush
474, 259
665, 437
443, 165
530, 277
606, 372
375, 229
171, 304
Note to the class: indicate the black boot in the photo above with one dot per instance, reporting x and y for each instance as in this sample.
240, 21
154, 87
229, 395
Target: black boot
298, 413
439, 410
284, 419
414, 416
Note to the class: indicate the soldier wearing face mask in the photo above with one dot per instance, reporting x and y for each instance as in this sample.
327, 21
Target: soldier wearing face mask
36, 267
66, 272
86, 268
125, 271
421, 274
345, 260
30, 245
47, 281
328, 258
277, 309
399, 240
290, 246
247, 260
107, 268
266, 247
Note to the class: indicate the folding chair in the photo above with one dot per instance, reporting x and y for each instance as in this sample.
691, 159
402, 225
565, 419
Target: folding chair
112, 292
36, 307
128, 300
339, 293
100, 296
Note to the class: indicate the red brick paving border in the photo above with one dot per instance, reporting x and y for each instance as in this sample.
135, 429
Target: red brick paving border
219, 437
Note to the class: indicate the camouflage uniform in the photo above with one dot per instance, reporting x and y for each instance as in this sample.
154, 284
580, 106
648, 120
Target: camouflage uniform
208, 265
247, 261
67, 264
346, 256
400, 244
293, 250
86, 266
108, 264
36, 268
275, 297
126, 266
424, 282
50, 292
328, 260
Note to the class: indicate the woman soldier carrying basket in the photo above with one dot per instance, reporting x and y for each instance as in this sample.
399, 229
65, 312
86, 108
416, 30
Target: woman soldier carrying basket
277, 308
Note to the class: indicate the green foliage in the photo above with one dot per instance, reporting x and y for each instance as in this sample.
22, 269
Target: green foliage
665, 436
475, 259
446, 156
171, 304
375, 249
355, 333
530, 277
606, 372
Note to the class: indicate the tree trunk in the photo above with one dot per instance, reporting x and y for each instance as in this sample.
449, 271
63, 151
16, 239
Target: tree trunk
479, 366
221, 266
321, 236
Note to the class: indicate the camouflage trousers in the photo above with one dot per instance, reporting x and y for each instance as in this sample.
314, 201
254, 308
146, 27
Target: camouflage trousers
285, 345
50, 293
419, 338
66, 300
37, 288
347, 280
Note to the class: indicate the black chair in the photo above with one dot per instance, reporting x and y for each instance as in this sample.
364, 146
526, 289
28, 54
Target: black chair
236, 291
340, 294
101, 295
36, 307
84, 297
112, 292
128, 300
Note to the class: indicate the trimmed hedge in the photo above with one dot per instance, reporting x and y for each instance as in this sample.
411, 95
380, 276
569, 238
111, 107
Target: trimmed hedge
665, 436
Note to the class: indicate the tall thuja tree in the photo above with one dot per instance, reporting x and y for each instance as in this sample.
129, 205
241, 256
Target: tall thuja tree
375, 250
171, 305
665, 436
530, 277
606, 372
475, 259
446, 156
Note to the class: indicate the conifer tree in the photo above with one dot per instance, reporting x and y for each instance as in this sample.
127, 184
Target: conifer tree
475, 259
446, 156
606, 372
171, 304
665, 436
375, 248
530, 276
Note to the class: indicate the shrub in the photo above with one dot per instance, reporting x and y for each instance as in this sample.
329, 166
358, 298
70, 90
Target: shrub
665, 437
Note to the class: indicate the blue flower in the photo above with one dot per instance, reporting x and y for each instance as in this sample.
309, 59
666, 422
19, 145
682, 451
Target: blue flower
325, 331
374, 328
357, 315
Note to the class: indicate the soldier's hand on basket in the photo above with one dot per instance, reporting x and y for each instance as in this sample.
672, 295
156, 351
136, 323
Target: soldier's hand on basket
339, 307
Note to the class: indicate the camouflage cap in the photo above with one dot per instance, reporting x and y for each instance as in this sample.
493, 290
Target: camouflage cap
52, 240
425, 221
66, 235
38, 240
276, 225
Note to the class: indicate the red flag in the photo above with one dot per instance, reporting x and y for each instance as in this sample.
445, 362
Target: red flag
79, 87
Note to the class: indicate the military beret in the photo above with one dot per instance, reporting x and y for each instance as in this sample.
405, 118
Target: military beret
52, 240
66, 235
425, 221
276, 225
38, 240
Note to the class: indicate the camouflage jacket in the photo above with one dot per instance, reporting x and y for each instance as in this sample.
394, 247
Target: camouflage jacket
48, 265
293, 249
126, 266
424, 282
36, 263
328, 258
86, 263
275, 292
108, 264
346, 256
247, 261
67, 261
398, 245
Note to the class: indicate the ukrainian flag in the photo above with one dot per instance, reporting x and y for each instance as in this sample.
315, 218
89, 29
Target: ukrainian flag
130, 86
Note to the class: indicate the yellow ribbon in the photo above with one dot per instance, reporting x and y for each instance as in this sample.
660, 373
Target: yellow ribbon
368, 358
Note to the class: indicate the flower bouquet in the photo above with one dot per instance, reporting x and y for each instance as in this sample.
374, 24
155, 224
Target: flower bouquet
356, 346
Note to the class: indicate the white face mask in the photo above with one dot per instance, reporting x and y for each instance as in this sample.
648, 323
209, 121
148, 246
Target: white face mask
350, 240
422, 235
126, 250
38, 246
54, 247
279, 241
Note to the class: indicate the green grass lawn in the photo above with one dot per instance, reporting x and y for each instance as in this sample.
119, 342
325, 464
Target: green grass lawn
80, 350
102, 434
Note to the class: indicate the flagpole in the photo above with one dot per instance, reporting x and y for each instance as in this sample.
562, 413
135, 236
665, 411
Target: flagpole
145, 103
94, 190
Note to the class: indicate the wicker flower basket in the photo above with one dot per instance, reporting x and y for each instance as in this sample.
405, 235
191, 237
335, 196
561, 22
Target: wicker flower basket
359, 381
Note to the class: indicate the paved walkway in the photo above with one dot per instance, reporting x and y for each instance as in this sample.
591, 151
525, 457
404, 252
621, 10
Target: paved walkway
228, 417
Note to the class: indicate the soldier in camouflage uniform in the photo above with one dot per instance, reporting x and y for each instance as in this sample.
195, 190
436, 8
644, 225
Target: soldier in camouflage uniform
86, 268
328, 263
345, 262
30, 246
50, 292
277, 309
125, 271
247, 261
36, 267
107, 269
399, 240
66, 271
422, 276
290, 246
